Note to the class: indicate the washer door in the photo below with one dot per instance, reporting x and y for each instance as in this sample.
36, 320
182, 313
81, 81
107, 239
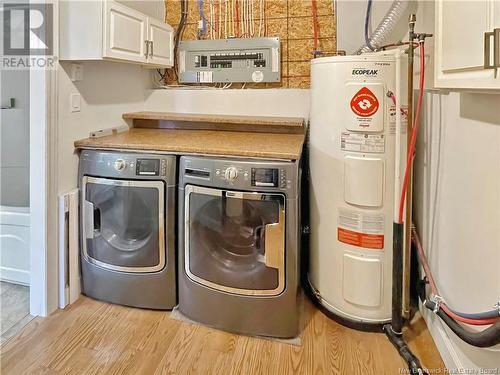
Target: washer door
235, 241
123, 224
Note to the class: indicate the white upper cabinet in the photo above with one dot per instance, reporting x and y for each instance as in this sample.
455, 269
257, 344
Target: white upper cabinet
108, 30
160, 53
463, 29
125, 33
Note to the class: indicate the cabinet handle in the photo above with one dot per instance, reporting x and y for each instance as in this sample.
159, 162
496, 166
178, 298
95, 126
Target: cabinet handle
147, 48
496, 49
152, 53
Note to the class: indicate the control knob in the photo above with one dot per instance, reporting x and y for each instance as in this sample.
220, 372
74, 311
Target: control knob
120, 165
231, 173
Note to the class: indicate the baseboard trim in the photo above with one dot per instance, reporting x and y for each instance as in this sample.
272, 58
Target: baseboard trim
443, 342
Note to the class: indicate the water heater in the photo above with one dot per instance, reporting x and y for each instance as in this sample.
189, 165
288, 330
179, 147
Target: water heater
357, 131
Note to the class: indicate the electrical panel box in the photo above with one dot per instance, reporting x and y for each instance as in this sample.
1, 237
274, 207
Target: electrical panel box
230, 60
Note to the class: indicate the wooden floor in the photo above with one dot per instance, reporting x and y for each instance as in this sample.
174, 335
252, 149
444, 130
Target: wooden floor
92, 337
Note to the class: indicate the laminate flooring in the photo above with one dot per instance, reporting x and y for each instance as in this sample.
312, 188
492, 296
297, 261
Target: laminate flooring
93, 337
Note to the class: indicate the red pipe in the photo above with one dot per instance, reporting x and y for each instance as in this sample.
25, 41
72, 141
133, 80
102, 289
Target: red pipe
314, 9
237, 10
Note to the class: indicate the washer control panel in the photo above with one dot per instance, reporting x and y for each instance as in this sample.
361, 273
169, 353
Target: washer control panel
129, 165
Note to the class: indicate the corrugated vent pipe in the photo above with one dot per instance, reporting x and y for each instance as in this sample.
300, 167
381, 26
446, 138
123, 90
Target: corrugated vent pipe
386, 26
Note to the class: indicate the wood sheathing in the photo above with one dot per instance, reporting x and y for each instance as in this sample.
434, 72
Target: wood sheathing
290, 20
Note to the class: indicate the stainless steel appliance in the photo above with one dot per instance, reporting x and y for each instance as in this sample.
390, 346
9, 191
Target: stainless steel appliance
127, 228
239, 244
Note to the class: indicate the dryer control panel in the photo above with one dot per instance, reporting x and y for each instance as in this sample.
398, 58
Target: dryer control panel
240, 174
268, 177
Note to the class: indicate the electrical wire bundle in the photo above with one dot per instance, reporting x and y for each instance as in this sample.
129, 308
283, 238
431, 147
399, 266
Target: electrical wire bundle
202, 28
177, 38
367, 24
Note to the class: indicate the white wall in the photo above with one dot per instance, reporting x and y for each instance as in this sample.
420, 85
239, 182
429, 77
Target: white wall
107, 91
270, 102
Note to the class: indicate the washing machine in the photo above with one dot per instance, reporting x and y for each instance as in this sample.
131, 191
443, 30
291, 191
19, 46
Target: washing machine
128, 228
239, 244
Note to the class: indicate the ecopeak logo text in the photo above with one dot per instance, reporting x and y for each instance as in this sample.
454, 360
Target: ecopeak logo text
364, 72
27, 36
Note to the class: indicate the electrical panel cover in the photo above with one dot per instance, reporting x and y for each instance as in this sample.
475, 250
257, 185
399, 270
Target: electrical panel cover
230, 60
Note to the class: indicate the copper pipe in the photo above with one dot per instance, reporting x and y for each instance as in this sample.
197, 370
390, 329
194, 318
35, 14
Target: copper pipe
409, 195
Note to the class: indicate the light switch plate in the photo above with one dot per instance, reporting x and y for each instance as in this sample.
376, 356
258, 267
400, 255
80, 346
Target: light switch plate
76, 72
75, 102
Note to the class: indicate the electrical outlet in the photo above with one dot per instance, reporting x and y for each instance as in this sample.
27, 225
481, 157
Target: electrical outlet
76, 72
75, 102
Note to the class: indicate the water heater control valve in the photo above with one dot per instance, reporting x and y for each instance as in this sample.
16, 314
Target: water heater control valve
231, 173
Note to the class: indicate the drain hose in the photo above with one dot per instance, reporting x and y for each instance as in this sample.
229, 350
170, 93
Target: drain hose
483, 339
386, 26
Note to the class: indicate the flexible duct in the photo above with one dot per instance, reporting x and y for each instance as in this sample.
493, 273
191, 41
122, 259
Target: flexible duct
386, 26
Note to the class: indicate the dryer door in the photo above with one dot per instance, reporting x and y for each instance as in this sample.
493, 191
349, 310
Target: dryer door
235, 241
123, 224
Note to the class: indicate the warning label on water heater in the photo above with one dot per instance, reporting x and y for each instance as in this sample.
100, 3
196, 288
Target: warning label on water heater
361, 230
356, 142
364, 106
364, 103
392, 119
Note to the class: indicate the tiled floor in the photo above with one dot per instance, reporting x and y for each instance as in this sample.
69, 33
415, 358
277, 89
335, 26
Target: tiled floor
14, 309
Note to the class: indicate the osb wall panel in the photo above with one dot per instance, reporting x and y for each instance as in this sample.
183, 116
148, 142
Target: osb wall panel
290, 20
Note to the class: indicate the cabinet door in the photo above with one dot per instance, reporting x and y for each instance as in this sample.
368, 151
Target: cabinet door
125, 32
459, 47
161, 39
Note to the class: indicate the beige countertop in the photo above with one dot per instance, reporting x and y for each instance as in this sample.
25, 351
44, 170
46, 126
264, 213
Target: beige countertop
293, 122
210, 142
